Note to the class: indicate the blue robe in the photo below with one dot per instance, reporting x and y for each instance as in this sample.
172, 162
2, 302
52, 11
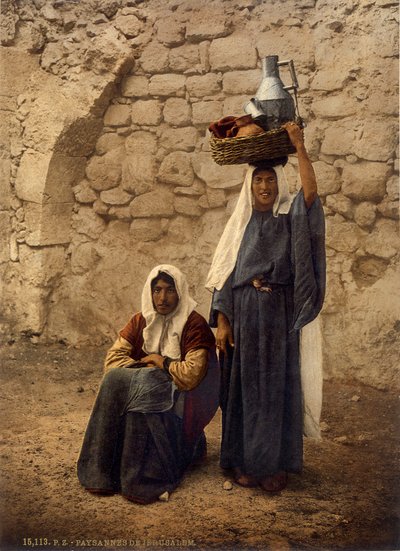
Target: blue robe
261, 388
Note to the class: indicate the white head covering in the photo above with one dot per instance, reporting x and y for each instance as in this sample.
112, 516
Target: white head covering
225, 256
162, 334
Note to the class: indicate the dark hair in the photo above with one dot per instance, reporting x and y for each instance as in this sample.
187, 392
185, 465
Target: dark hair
165, 277
264, 167
268, 164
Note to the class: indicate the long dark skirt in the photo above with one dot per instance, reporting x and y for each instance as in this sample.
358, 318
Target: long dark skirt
140, 455
261, 389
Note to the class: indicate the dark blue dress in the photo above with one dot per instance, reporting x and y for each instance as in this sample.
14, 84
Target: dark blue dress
261, 387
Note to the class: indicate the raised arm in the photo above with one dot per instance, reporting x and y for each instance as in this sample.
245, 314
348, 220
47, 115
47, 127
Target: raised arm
307, 174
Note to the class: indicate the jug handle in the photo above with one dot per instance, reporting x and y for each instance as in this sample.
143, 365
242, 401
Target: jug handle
295, 83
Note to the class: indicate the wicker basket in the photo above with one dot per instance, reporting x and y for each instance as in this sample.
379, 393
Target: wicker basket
248, 149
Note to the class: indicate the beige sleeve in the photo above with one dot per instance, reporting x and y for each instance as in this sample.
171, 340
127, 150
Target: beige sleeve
189, 373
118, 355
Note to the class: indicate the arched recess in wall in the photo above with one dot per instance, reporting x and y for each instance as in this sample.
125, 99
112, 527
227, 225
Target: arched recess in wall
45, 179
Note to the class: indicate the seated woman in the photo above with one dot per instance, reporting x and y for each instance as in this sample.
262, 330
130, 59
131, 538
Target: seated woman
159, 392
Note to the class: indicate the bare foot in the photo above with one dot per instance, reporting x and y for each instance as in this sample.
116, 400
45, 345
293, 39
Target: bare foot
274, 483
244, 479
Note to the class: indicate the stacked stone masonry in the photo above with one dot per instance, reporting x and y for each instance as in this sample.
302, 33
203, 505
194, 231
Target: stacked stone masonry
106, 169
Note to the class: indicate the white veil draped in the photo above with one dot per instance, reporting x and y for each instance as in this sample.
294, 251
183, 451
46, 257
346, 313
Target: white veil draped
162, 334
225, 255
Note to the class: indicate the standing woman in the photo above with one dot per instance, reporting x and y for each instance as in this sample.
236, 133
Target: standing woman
268, 277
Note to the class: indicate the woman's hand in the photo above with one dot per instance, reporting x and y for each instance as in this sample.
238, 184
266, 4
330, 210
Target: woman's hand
295, 134
224, 333
153, 360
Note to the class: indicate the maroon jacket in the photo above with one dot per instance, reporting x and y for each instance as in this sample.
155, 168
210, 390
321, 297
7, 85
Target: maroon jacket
201, 403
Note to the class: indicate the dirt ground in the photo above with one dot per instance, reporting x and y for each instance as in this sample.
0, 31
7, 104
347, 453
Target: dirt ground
346, 498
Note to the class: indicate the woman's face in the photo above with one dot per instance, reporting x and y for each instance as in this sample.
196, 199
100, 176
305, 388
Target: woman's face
165, 297
264, 186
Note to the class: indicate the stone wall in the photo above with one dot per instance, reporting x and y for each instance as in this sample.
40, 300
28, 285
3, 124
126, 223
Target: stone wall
106, 169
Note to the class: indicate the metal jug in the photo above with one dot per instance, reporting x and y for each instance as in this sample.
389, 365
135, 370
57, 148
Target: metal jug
273, 105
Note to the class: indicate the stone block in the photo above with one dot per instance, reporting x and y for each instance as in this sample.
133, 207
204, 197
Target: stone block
216, 176
147, 112
167, 85
44, 266
155, 204
234, 106
389, 209
5, 189
242, 82
380, 104
100, 208
392, 187
48, 224
120, 213
13, 82
141, 142
83, 192
129, 25
204, 112
31, 177
180, 230
107, 142
52, 54
334, 107
87, 222
207, 28
5, 233
115, 196
183, 139
343, 236
379, 140
138, 173
328, 179
329, 80
176, 169
185, 59
170, 31
135, 86
341, 204
233, 52
188, 206
365, 214
177, 112
365, 181
107, 53
213, 223
203, 85
118, 115
50, 13
14, 248
192, 191
216, 198
383, 241
154, 58
84, 258
146, 229
108, 7
105, 172
335, 296
340, 138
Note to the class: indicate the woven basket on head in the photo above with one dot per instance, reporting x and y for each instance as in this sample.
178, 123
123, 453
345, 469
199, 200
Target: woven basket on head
249, 149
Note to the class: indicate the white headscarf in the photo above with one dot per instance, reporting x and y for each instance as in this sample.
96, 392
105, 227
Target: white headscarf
162, 334
225, 256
